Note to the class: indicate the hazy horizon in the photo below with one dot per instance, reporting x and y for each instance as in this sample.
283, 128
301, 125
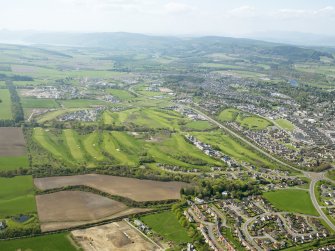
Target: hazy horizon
177, 18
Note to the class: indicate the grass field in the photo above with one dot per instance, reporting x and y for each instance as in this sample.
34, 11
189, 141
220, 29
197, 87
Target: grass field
166, 224
292, 200
51, 242
121, 94
16, 196
246, 120
5, 105
38, 103
285, 124
199, 125
13, 162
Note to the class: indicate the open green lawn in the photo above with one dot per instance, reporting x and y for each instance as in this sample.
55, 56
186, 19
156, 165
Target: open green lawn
16, 196
121, 94
50, 242
292, 200
5, 105
246, 120
92, 147
166, 224
285, 124
38, 103
199, 125
12, 163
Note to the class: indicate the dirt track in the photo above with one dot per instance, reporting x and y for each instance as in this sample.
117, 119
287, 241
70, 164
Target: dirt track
117, 236
12, 142
135, 189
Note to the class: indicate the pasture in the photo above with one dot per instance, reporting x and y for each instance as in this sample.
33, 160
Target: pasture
166, 224
50, 242
121, 94
135, 189
38, 103
13, 163
5, 105
16, 196
82, 103
291, 200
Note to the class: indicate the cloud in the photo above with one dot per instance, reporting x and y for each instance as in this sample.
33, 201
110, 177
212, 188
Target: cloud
244, 11
328, 11
178, 8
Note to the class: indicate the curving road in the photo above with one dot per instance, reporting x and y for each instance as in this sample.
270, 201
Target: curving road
316, 204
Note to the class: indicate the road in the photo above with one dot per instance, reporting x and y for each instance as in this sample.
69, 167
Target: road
244, 140
314, 177
316, 204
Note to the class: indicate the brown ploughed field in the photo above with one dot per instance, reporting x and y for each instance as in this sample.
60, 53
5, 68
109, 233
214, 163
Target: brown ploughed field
72, 208
135, 189
12, 142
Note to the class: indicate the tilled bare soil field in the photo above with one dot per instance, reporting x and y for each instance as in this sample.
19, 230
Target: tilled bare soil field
135, 189
72, 208
12, 142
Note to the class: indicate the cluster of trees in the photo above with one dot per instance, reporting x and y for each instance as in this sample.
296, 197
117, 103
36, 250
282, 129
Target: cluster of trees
209, 188
18, 232
127, 201
17, 110
197, 239
15, 172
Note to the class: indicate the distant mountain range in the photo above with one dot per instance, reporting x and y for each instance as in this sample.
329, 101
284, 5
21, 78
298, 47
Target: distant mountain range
178, 46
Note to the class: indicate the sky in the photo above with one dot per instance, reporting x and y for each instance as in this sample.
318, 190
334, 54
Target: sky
170, 17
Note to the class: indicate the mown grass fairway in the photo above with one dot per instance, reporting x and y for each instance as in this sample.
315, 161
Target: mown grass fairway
122, 147
51, 242
166, 224
175, 150
16, 196
292, 200
147, 118
73, 144
5, 105
285, 124
233, 148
